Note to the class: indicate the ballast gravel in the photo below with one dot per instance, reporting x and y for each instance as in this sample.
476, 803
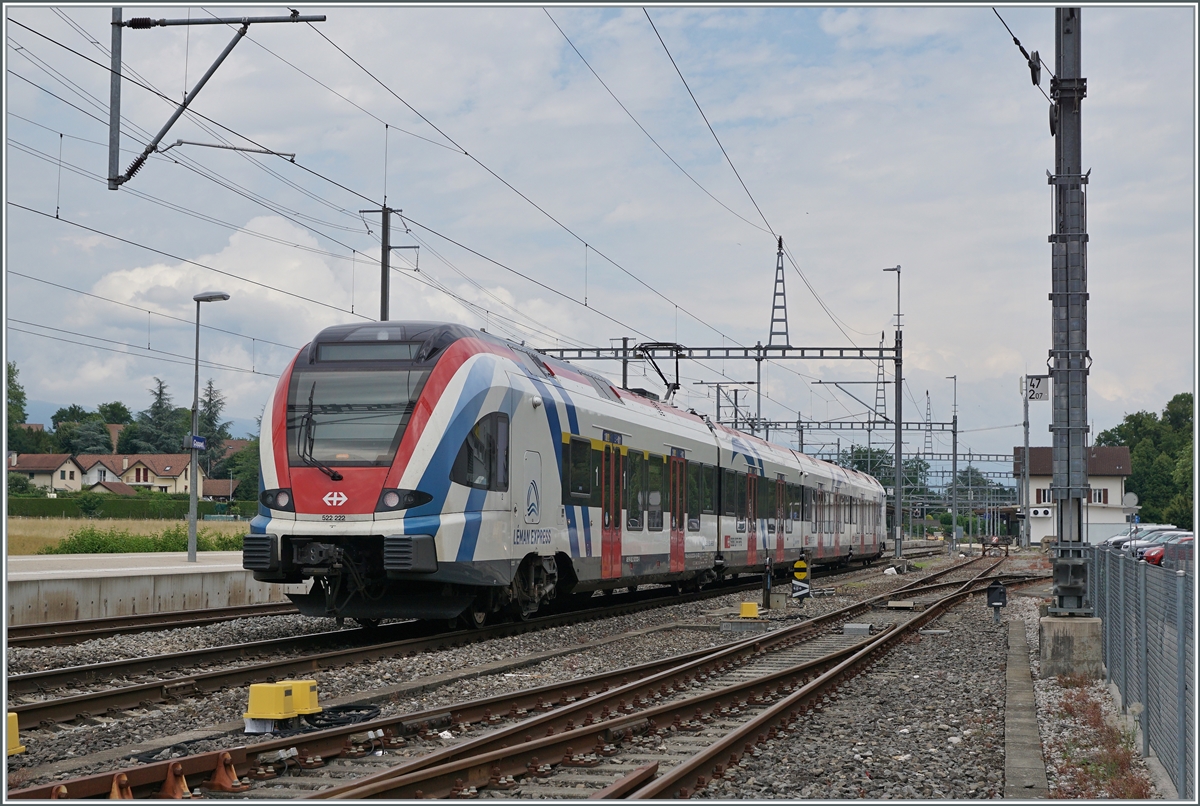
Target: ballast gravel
926, 723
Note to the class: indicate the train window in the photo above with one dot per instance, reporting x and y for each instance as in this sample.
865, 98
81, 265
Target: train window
729, 493
635, 486
349, 417
695, 486
656, 496
740, 490
708, 490
579, 468
482, 461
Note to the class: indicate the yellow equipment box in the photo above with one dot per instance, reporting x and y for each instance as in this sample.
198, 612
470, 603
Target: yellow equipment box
14, 738
272, 701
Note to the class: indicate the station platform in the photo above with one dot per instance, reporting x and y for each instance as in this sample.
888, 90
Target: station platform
64, 587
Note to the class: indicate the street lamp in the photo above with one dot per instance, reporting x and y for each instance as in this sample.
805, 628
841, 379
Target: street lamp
207, 296
899, 548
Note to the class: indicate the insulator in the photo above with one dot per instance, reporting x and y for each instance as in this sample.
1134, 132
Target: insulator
141, 22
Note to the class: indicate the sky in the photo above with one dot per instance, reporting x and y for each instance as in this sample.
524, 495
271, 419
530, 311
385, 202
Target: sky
564, 207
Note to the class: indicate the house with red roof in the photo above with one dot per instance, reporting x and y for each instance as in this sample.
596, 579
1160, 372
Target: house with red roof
53, 471
160, 472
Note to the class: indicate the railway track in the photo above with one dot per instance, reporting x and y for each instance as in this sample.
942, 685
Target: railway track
170, 676
73, 632
576, 708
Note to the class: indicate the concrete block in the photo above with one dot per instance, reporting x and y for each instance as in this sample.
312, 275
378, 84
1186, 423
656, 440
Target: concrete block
745, 625
779, 600
856, 629
1071, 646
125, 596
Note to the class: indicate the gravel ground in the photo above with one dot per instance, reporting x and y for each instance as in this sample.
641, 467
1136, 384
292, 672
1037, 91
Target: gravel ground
1058, 730
166, 720
927, 723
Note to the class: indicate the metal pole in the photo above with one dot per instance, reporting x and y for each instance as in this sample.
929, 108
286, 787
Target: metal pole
1069, 359
114, 105
899, 419
1025, 536
195, 427
625, 373
758, 359
385, 254
1124, 610
1143, 662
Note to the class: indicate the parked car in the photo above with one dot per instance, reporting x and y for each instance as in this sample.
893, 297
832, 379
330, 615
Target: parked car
1133, 547
1154, 552
1140, 531
1179, 556
1159, 540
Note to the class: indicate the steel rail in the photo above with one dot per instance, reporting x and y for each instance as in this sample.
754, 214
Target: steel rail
785, 712
331, 742
72, 632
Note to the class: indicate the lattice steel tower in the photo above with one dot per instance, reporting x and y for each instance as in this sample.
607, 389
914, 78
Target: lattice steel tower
779, 325
1069, 359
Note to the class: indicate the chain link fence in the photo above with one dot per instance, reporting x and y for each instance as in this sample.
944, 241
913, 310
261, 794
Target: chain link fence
1149, 647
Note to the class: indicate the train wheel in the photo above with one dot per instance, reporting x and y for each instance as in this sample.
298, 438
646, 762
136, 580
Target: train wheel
368, 623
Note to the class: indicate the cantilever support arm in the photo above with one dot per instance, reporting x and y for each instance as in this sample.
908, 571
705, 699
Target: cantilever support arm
136, 165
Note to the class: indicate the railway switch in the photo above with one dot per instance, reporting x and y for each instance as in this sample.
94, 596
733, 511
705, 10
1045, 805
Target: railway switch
14, 738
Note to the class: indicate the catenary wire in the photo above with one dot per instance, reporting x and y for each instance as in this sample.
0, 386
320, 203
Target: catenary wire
186, 360
643, 128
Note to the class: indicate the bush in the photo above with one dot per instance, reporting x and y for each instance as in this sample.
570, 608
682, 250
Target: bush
114, 540
116, 506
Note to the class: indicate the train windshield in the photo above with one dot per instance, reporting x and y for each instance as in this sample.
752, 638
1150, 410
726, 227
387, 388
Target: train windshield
350, 418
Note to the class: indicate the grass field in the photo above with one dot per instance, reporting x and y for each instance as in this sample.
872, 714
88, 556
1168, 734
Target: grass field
31, 535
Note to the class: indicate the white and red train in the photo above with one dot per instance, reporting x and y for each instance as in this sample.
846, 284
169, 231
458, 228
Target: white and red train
429, 470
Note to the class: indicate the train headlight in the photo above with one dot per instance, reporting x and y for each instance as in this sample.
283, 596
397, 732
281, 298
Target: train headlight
394, 500
278, 499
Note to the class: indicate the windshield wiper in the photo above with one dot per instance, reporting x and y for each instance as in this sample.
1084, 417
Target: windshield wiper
306, 438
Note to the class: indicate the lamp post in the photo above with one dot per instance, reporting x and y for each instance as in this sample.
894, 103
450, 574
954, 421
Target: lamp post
899, 552
207, 296
954, 470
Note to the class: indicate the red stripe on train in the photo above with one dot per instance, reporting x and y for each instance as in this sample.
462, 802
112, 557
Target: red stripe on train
279, 425
439, 379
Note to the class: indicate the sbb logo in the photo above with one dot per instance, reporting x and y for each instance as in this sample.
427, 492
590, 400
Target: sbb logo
335, 499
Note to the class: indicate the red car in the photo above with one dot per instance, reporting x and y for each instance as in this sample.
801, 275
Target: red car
1154, 554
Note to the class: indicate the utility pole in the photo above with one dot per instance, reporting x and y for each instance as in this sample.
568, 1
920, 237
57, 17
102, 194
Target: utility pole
1069, 359
954, 470
385, 258
1025, 537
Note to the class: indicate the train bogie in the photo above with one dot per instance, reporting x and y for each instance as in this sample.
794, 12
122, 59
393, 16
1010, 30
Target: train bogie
431, 471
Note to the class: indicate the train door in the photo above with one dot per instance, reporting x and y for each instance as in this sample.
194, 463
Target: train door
751, 519
678, 498
780, 514
610, 508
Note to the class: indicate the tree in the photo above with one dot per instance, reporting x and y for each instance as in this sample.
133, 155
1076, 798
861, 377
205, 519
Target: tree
18, 439
211, 427
875, 462
19, 484
129, 439
71, 414
159, 427
116, 412
91, 437
90, 504
244, 467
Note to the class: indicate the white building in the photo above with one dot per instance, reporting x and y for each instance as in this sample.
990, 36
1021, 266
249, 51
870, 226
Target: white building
1103, 515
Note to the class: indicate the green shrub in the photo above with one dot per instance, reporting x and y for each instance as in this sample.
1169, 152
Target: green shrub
114, 540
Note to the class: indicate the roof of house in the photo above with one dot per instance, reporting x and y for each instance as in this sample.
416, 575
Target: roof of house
40, 462
232, 446
220, 488
1102, 461
164, 465
89, 460
116, 487
31, 426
